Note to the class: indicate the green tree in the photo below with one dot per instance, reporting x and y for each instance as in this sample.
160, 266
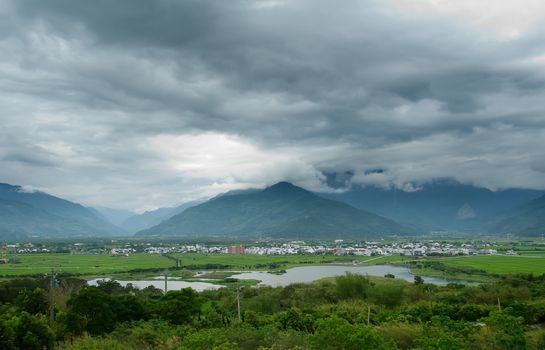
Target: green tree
337, 334
32, 332
91, 310
508, 331
178, 307
352, 286
33, 302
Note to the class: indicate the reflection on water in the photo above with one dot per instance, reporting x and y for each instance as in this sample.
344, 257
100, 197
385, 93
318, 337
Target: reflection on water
302, 274
307, 274
172, 284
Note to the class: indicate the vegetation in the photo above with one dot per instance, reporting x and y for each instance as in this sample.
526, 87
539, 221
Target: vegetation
346, 312
479, 268
100, 264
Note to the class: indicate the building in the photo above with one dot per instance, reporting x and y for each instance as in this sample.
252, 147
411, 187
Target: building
236, 249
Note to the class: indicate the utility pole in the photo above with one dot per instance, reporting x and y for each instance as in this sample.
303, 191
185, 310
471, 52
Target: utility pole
238, 304
166, 282
499, 304
52, 297
368, 314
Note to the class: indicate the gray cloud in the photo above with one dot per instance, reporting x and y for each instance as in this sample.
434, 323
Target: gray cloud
101, 100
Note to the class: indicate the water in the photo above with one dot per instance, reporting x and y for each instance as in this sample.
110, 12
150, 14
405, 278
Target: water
160, 283
302, 274
308, 274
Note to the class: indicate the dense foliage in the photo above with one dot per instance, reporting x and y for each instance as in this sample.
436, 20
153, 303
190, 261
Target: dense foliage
349, 312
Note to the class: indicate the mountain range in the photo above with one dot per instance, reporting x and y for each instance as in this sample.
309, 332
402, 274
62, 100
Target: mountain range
525, 220
152, 218
282, 210
285, 210
441, 205
25, 214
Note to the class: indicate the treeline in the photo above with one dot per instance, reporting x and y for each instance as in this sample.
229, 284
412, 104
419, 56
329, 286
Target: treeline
348, 312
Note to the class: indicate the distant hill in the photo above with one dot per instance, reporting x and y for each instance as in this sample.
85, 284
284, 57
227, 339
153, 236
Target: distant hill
440, 205
115, 216
282, 210
525, 220
151, 218
31, 213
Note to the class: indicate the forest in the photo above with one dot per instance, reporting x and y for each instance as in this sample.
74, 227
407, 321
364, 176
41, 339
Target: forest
345, 312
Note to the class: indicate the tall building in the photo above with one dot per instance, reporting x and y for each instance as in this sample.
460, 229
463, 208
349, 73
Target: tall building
236, 249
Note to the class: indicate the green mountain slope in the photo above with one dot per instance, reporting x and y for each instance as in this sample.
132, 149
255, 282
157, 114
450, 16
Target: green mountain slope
24, 214
282, 210
149, 219
526, 220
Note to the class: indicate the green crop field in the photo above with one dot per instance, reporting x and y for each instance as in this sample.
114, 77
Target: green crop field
500, 264
85, 264
99, 264
263, 261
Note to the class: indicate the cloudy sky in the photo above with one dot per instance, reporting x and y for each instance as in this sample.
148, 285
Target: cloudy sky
138, 104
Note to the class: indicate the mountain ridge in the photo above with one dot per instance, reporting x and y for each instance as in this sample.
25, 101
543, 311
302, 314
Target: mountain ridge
35, 213
280, 210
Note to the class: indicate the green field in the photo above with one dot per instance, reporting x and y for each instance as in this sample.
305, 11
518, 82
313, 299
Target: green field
500, 264
100, 264
261, 261
84, 264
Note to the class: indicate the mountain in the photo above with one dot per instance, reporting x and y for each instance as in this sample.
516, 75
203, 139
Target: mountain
149, 219
32, 213
525, 220
115, 216
440, 205
282, 210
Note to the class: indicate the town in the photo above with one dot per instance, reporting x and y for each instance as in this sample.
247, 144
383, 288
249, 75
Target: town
336, 248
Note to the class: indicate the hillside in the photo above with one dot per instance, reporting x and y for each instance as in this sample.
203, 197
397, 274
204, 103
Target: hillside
24, 214
282, 210
154, 217
525, 220
441, 205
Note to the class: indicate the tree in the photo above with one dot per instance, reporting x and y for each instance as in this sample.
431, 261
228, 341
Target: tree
32, 332
336, 333
91, 310
508, 331
352, 286
33, 302
178, 307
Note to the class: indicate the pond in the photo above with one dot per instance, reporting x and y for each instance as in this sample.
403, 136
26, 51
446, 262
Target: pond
308, 274
160, 283
301, 274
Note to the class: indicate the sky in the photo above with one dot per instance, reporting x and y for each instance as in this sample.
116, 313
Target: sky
139, 104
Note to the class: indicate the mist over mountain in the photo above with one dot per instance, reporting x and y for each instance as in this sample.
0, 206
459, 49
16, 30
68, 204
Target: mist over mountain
440, 205
32, 213
151, 218
282, 210
115, 216
525, 220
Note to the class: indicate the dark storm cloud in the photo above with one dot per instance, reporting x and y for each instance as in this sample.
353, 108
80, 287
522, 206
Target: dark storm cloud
320, 86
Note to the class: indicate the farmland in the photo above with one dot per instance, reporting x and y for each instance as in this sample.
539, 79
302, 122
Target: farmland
101, 264
501, 264
81, 264
468, 267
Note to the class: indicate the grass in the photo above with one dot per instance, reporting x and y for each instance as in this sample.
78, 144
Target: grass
83, 264
102, 264
274, 262
500, 264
